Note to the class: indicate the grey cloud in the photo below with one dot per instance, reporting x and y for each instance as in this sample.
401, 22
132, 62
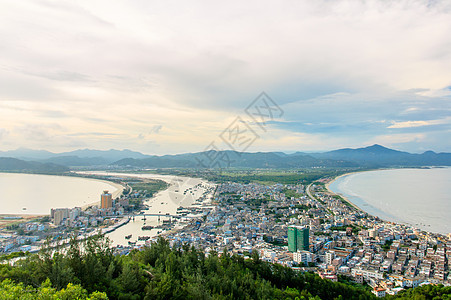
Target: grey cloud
197, 57
154, 130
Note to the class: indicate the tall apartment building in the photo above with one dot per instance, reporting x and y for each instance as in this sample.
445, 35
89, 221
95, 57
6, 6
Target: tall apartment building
298, 238
106, 200
59, 215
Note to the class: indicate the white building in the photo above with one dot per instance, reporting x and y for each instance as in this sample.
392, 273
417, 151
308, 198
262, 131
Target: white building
304, 257
367, 273
330, 255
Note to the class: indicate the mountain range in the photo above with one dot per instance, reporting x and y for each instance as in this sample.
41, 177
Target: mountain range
372, 156
81, 157
10, 164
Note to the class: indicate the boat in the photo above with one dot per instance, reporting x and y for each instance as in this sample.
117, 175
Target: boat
147, 227
143, 238
128, 236
131, 243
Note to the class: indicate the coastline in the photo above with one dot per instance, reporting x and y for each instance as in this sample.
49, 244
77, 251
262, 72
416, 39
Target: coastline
396, 220
119, 189
341, 195
386, 216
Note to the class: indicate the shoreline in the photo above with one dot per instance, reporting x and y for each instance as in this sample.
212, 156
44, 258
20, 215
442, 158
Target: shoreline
341, 195
395, 220
119, 189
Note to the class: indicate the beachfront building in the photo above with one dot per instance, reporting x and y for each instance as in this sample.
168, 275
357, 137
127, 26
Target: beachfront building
59, 215
298, 238
106, 200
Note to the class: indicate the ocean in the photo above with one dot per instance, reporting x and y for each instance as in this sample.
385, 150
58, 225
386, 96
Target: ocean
37, 194
418, 197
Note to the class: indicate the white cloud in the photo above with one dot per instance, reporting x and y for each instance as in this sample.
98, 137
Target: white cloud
190, 67
410, 124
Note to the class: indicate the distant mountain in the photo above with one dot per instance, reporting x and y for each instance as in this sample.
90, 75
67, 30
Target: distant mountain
232, 159
16, 165
373, 156
108, 155
379, 156
27, 154
75, 161
82, 157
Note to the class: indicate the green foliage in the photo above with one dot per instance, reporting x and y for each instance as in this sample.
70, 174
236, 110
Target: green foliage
355, 228
89, 270
387, 245
426, 292
290, 193
149, 187
13, 255
12, 291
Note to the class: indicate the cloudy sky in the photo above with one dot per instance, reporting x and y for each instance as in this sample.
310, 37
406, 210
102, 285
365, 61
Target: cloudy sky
169, 76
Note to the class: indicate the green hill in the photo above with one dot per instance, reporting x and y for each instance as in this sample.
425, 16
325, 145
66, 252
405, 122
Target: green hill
162, 272
9, 164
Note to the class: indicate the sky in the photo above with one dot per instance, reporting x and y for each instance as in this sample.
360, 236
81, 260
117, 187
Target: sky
166, 77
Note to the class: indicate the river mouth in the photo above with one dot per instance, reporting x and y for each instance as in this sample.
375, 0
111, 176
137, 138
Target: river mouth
181, 192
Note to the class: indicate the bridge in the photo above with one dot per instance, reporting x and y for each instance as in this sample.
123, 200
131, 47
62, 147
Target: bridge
159, 215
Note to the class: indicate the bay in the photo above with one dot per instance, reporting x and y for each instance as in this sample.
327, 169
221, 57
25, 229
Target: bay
418, 197
37, 194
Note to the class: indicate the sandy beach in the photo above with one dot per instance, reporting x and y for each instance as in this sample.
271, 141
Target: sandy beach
117, 193
341, 195
417, 197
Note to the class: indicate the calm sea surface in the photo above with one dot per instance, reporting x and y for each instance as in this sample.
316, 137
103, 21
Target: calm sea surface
39, 193
419, 197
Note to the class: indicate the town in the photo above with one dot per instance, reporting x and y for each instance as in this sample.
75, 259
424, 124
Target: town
310, 229
304, 227
62, 223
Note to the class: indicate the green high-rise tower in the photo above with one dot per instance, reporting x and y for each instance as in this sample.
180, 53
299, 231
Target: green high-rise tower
298, 238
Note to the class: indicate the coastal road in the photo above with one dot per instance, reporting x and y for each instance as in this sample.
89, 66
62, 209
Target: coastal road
308, 192
315, 199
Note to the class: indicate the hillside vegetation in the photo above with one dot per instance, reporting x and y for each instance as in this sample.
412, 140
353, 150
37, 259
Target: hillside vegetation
162, 272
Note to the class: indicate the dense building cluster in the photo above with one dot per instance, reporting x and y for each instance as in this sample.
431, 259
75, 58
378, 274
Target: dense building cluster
306, 228
341, 239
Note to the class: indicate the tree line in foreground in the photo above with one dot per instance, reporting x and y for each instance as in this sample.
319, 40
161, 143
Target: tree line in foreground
90, 270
